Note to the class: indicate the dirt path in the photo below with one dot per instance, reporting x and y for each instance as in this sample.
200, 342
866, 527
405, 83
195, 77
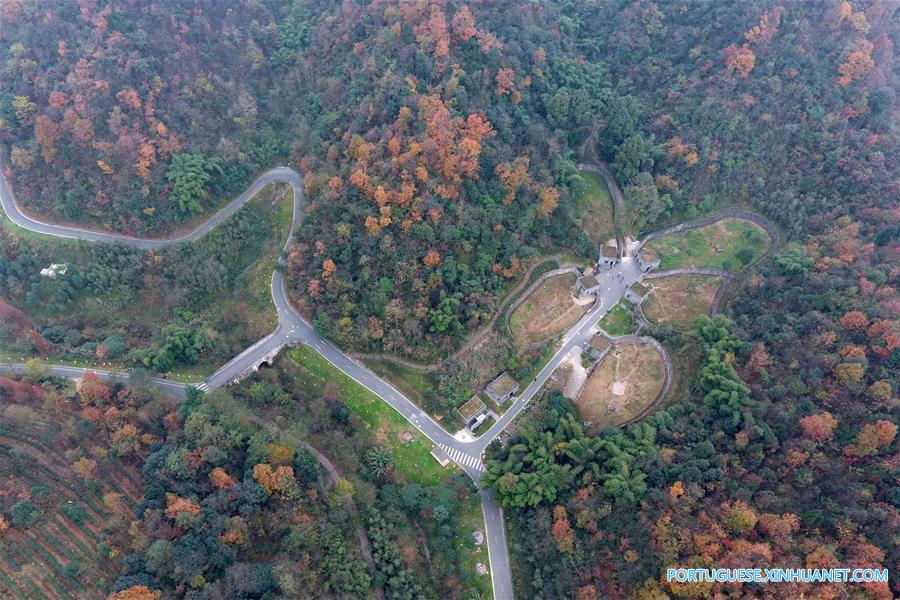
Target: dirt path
689, 271
365, 545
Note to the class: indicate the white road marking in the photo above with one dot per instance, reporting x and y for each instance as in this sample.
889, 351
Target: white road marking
462, 458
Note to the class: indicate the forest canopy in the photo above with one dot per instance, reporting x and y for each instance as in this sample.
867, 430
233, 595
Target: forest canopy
439, 143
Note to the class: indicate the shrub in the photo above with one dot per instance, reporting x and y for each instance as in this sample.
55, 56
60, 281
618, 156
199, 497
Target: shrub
24, 513
74, 511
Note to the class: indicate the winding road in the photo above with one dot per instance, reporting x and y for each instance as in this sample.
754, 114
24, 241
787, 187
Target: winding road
294, 329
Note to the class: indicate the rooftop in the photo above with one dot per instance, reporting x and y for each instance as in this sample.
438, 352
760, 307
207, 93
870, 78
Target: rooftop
649, 254
471, 408
55, 269
503, 385
589, 282
608, 251
639, 288
599, 343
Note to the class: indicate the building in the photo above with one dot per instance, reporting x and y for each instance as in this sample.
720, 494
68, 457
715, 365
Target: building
473, 412
54, 269
647, 259
637, 293
599, 347
587, 285
632, 245
501, 389
609, 255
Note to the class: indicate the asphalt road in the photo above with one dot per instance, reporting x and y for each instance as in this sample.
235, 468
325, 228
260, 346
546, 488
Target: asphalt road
173, 388
15, 214
293, 329
612, 289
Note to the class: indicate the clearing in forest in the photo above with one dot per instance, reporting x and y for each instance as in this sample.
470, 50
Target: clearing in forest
595, 208
729, 244
548, 311
678, 300
623, 385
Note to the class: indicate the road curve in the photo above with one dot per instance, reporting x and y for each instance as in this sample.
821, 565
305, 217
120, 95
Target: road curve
15, 214
293, 329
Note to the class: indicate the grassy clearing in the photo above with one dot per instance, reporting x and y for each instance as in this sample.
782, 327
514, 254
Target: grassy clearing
620, 320
680, 299
729, 244
469, 519
548, 311
621, 386
412, 459
595, 208
21, 232
526, 373
417, 385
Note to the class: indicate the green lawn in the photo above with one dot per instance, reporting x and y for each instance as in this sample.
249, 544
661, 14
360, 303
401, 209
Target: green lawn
469, 518
729, 244
595, 209
618, 321
412, 459
415, 384
484, 427
21, 232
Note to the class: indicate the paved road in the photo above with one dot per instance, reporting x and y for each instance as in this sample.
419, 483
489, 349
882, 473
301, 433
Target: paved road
613, 285
172, 388
293, 329
15, 214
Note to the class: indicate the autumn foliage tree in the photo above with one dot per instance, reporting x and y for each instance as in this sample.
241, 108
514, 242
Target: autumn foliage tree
740, 59
872, 438
562, 530
136, 592
819, 427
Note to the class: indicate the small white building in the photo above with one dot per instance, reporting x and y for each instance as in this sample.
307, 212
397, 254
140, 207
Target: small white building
647, 259
54, 269
637, 293
473, 412
587, 285
609, 255
632, 246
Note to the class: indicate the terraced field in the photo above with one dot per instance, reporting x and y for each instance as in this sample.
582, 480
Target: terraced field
72, 548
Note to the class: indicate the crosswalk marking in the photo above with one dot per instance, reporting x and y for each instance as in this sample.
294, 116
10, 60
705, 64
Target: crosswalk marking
473, 462
203, 387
